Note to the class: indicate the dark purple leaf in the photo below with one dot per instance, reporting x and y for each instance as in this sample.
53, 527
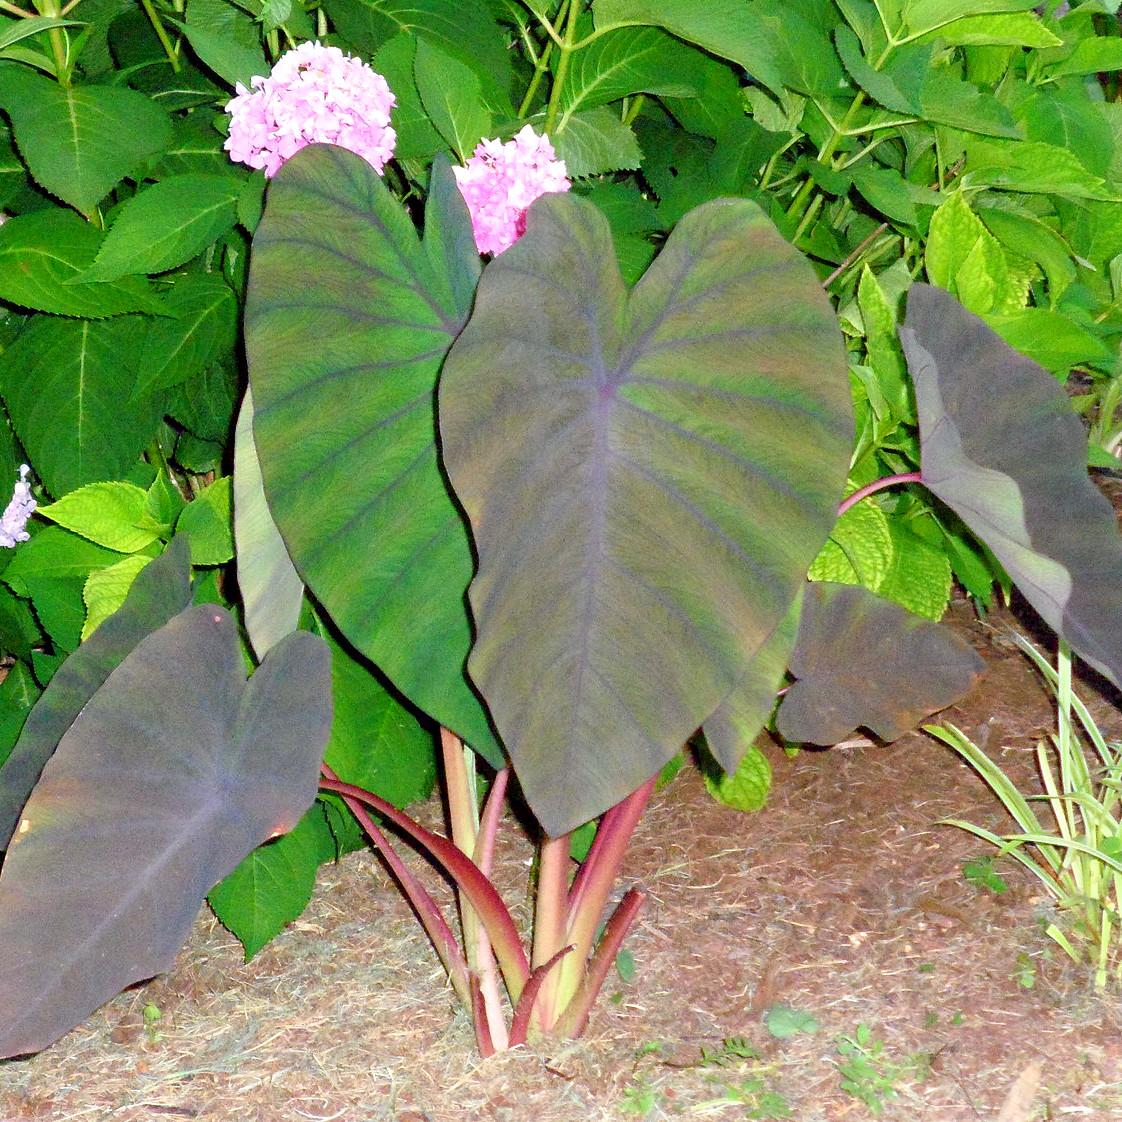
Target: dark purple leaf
648, 475
161, 590
865, 662
171, 774
1003, 449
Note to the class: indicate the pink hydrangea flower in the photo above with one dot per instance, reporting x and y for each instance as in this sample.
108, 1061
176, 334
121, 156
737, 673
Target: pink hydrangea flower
314, 94
18, 511
500, 182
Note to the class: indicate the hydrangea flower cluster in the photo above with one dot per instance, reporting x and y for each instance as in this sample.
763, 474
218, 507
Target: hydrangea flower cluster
18, 511
500, 182
314, 94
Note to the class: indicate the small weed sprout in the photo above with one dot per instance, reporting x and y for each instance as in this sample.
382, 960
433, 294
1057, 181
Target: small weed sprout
1077, 857
868, 1074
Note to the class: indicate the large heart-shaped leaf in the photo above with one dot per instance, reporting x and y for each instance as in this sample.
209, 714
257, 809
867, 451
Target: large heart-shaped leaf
863, 661
648, 476
160, 591
160, 787
1003, 449
348, 319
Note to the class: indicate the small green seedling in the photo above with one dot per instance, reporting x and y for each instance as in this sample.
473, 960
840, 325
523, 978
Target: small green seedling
152, 1015
981, 873
784, 1021
868, 1074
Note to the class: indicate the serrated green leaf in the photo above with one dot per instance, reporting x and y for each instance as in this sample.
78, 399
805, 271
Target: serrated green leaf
208, 522
452, 97
376, 743
878, 84
886, 190
1013, 29
165, 225
80, 141
922, 16
200, 330
68, 385
918, 576
859, 549
1091, 56
204, 404
1028, 236
747, 788
596, 142
948, 100
964, 258
42, 252
106, 589
624, 62
1053, 339
1034, 167
225, 39
416, 137
196, 149
883, 346
466, 30
109, 514
18, 693
251, 202
272, 885
728, 28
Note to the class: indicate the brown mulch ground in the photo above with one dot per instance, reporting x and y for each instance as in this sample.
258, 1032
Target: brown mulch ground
842, 899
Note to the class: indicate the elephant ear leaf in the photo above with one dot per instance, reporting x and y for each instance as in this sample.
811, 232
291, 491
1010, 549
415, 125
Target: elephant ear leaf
159, 788
349, 315
1003, 449
161, 590
864, 662
648, 475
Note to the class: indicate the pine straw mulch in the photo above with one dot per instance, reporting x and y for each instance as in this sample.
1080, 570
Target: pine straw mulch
843, 899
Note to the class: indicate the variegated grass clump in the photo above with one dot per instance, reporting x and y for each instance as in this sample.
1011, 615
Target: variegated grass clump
1076, 850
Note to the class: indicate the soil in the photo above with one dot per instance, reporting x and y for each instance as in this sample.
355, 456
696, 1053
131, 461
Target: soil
843, 899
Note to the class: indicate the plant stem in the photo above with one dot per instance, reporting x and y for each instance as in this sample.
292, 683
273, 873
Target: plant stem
459, 784
550, 917
593, 884
470, 881
566, 48
878, 485
169, 49
59, 42
575, 1017
485, 957
21, 13
433, 922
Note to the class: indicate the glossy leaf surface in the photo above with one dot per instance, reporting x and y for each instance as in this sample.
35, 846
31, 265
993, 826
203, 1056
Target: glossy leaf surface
864, 662
648, 476
1003, 449
348, 319
159, 788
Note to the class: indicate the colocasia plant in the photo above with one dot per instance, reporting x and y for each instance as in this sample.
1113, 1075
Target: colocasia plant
566, 345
